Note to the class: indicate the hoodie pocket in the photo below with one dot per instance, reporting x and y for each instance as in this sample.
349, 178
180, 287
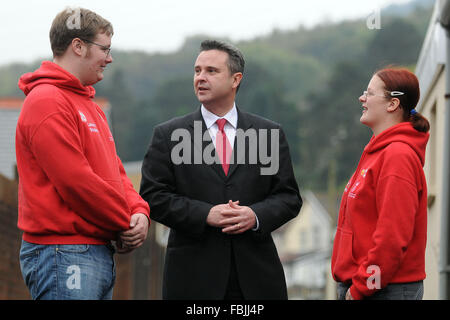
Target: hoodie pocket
343, 263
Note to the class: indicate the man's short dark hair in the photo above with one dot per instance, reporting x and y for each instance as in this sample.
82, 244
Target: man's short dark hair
236, 61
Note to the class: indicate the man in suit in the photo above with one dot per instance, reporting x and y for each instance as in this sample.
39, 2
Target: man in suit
221, 213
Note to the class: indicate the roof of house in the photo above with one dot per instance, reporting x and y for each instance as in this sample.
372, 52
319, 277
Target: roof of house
16, 102
10, 102
432, 56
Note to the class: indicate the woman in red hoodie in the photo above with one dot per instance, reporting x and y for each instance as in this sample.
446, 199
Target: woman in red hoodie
379, 247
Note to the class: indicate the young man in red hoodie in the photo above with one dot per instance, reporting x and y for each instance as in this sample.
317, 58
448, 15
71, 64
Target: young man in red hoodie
379, 247
74, 195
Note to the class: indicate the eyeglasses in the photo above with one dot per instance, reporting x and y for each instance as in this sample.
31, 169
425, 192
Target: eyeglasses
106, 49
391, 93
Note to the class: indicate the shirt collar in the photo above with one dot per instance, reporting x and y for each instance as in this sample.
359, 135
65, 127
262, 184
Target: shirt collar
210, 118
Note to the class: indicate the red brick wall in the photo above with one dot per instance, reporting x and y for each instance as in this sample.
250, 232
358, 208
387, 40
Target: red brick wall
138, 274
124, 271
11, 282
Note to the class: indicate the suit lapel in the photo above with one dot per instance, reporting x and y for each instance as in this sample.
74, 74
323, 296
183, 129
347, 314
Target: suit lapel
199, 145
243, 123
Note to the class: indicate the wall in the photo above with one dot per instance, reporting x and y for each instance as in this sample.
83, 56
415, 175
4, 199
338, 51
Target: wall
11, 282
433, 109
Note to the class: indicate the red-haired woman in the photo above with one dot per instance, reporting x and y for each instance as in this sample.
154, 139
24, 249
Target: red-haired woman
379, 247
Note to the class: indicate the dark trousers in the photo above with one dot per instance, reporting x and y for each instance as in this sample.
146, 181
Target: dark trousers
234, 291
393, 291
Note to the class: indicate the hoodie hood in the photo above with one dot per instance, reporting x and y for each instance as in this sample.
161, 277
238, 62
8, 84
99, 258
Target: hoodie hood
51, 73
402, 132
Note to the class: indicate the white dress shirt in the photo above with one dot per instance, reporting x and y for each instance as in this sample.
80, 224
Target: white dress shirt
229, 128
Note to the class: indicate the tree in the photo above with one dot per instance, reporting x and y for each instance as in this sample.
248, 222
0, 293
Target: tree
397, 42
263, 93
123, 106
330, 128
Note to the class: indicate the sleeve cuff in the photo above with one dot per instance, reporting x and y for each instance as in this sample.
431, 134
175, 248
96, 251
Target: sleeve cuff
145, 212
257, 224
355, 293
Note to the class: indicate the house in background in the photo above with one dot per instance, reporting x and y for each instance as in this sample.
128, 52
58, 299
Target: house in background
9, 114
433, 73
304, 245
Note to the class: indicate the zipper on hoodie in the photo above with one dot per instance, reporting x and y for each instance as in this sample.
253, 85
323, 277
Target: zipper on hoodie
350, 185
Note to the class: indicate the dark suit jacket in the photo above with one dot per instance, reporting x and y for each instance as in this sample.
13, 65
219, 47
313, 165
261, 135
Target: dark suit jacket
197, 262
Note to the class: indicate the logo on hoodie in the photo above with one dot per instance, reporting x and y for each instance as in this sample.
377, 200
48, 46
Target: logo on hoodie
364, 172
352, 193
83, 117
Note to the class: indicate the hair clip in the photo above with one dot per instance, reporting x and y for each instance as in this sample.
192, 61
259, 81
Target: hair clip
396, 93
413, 112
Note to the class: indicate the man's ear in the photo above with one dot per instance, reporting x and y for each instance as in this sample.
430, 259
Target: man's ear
77, 46
237, 77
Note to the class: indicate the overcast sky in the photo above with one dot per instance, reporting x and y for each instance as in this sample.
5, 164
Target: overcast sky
162, 25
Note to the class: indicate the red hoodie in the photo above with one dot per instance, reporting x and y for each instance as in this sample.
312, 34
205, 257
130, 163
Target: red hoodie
73, 188
382, 226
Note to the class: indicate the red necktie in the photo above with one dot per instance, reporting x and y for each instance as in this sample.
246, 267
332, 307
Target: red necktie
223, 146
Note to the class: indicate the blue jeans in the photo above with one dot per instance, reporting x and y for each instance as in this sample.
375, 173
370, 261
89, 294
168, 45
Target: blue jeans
68, 272
393, 291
